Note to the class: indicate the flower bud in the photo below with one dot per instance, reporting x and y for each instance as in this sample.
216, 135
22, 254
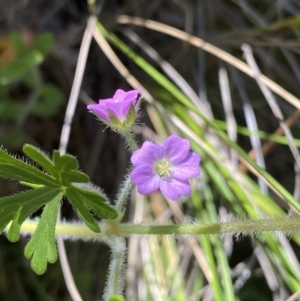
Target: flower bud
118, 112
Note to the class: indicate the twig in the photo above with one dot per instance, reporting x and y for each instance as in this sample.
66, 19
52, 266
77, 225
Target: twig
64, 139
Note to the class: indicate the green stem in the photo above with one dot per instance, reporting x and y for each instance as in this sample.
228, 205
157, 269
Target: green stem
123, 194
130, 140
287, 225
127, 185
116, 281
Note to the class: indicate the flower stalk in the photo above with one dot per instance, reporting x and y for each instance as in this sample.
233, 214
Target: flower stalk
123, 194
129, 138
287, 225
116, 282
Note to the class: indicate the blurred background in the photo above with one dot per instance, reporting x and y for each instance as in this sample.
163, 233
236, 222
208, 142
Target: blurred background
39, 48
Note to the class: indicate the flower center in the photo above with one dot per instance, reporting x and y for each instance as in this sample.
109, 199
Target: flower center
163, 169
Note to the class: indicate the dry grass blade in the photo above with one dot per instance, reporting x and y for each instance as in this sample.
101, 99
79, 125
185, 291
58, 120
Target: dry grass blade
272, 102
64, 139
269, 273
223, 55
229, 115
278, 114
237, 175
257, 153
103, 44
267, 147
165, 66
133, 250
108, 51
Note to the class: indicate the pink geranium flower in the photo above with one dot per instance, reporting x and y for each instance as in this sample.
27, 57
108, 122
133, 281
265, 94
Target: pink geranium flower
119, 111
167, 167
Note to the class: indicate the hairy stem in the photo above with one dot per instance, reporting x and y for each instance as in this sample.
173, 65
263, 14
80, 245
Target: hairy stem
123, 194
116, 282
130, 140
286, 225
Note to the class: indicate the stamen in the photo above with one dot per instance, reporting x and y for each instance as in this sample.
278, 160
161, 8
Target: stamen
163, 169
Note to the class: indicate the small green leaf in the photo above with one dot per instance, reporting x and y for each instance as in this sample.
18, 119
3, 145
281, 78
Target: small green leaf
66, 162
39, 157
18, 42
17, 69
17, 207
81, 210
43, 43
41, 248
95, 202
75, 177
16, 169
50, 100
65, 170
11, 72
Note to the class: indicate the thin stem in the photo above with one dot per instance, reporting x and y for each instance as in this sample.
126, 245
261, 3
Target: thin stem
123, 194
130, 140
127, 185
286, 225
64, 140
116, 281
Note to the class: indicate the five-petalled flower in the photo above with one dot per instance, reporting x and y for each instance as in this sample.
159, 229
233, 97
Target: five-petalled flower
118, 112
167, 167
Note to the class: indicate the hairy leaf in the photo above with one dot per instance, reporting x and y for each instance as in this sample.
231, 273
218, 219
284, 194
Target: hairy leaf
16, 169
41, 248
60, 177
81, 210
17, 207
95, 202
39, 157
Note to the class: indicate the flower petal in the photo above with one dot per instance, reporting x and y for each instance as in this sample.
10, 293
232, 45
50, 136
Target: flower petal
142, 173
119, 109
173, 188
176, 148
188, 169
149, 153
119, 95
149, 187
145, 179
98, 110
132, 95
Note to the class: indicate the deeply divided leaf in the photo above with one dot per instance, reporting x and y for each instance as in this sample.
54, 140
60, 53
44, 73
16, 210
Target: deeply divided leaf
41, 248
39, 157
60, 177
16, 169
95, 202
81, 210
17, 207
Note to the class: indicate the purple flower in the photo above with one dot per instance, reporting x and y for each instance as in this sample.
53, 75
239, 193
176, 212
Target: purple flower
167, 167
119, 111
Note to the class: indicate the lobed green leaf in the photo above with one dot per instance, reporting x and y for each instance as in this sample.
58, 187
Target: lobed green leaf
41, 248
43, 43
16, 169
17, 207
95, 202
18, 42
82, 211
39, 157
